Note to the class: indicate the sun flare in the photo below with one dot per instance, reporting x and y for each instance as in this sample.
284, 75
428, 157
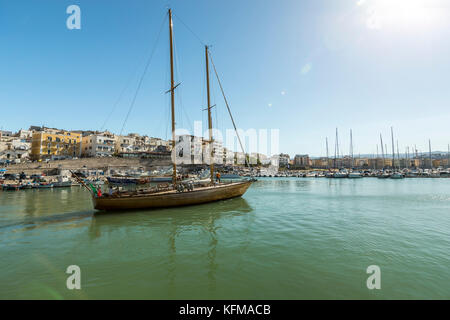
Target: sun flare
401, 13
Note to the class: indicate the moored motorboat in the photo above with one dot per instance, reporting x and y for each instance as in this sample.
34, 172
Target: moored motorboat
11, 187
341, 174
355, 175
397, 175
63, 182
45, 185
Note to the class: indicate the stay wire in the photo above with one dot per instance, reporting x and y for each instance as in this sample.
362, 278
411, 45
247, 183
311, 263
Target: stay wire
143, 75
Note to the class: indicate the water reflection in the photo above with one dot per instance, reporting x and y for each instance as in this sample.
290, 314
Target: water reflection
177, 221
31, 223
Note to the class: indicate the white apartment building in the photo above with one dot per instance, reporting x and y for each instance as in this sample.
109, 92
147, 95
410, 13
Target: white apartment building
98, 145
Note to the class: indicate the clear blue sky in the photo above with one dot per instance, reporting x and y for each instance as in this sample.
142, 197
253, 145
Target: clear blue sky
302, 66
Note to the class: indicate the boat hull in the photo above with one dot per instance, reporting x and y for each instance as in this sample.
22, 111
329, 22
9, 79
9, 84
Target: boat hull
172, 198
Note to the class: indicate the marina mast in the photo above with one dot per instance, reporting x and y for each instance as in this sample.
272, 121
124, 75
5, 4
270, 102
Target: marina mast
382, 151
393, 148
376, 160
172, 94
431, 159
211, 152
351, 148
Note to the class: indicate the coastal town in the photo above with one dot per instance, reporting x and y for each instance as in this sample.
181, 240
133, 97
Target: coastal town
51, 155
42, 144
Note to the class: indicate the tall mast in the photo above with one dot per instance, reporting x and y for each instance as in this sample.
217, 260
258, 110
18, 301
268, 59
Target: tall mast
335, 150
382, 151
448, 156
351, 148
337, 147
172, 93
431, 159
407, 157
328, 160
393, 148
211, 165
376, 161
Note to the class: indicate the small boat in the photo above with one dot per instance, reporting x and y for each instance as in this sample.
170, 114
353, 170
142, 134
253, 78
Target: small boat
397, 175
329, 174
122, 180
384, 175
63, 182
97, 182
161, 179
311, 175
435, 174
45, 185
341, 174
230, 176
355, 175
28, 185
11, 187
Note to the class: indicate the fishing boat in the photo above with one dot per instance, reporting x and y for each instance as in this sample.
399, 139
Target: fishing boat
178, 193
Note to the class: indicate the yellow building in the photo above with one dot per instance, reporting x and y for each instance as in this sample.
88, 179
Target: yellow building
55, 144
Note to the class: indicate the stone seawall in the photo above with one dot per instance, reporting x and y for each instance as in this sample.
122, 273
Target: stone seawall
88, 163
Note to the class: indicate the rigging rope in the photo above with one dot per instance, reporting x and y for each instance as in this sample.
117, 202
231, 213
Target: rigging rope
189, 29
228, 107
143, 75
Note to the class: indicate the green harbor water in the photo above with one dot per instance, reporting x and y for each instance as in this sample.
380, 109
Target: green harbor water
287, 238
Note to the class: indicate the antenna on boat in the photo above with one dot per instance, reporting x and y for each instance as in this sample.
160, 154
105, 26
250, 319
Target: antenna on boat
172, 94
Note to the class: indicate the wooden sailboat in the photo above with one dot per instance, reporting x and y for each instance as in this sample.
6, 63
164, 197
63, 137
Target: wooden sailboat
176, 194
